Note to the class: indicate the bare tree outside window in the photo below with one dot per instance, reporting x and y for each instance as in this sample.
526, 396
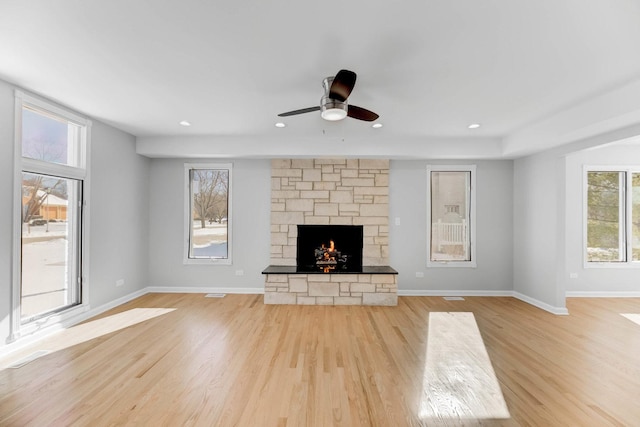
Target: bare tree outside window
605, 216
36, 189
209, 213
210, 190
49, 138
635, 215
613, 216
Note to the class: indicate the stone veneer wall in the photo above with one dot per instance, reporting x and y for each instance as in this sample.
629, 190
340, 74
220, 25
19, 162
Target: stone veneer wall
331, 289
330, 191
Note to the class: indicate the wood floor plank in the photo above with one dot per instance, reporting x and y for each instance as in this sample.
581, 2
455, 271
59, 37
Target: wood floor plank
183, 359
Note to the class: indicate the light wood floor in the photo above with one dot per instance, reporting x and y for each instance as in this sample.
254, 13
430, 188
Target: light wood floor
236, 362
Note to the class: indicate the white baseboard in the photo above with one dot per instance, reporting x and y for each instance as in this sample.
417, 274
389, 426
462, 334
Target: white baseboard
80, 317
202, 290
599, 294
439, 293
561, 311
113, 304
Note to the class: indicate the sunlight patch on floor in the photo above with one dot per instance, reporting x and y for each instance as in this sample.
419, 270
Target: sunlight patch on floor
459, 381
634, 317
96, 328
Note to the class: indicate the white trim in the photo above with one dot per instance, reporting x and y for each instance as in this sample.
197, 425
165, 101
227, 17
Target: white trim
17, 220
561, 311
472, 215
85, 218
601, 294
50, 107
78, 172
202, 290
444, 293
188, 221
53, 321
612, 264
48, 168
115, 303
79, 317
517, 295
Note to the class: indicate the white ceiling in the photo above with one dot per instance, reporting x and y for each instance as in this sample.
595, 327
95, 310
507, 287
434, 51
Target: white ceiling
534, 73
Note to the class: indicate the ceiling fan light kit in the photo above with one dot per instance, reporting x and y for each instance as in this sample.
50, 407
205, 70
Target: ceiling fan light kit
333, 104
333, 110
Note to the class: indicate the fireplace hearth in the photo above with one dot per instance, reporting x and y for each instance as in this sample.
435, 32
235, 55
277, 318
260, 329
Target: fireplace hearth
329, 248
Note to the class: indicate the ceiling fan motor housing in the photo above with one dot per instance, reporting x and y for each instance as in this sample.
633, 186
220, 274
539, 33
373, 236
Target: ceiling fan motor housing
331, 109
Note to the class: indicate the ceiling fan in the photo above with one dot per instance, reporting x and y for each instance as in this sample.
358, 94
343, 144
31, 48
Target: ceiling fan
333, 104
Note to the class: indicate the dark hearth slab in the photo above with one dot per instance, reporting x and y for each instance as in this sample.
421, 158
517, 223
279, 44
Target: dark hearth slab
292, 269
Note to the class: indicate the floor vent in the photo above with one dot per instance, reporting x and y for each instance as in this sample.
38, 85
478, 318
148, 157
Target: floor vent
30, 358
215, 295
454, 298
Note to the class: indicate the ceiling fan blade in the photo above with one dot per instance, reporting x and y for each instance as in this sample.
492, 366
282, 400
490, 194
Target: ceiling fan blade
342, 85
361, 113
301, 111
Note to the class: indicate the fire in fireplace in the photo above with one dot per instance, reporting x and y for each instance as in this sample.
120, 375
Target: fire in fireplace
329, 248
328, 258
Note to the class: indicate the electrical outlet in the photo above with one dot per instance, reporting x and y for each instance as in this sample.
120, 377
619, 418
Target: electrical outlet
419, 274
239, 272
398, 221
573, 275
119, 282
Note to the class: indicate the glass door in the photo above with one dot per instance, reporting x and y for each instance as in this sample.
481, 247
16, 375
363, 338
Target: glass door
50, 245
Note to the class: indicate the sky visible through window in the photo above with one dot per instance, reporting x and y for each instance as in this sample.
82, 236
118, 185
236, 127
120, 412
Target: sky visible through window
44, 138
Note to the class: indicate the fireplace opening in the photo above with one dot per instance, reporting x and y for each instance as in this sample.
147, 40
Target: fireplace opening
329, 248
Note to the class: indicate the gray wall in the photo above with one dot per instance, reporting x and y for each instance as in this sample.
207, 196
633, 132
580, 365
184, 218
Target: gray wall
251, 229
594, 279
119, 212
251, 218
538, 232
548, 221
494, 228
119, 216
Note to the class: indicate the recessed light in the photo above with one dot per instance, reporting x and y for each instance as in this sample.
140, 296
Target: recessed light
185, 123
280, 125
474, 126
376, 125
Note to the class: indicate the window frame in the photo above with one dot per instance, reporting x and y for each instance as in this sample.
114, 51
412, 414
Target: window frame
627, 223
472, 263
188, 221
56, 318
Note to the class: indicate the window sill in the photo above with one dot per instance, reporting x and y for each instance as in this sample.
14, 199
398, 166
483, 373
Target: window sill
451, 264
620, 265
56, 321
207, 261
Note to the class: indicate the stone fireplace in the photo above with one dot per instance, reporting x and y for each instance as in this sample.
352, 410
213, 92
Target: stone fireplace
306, 193
329, 192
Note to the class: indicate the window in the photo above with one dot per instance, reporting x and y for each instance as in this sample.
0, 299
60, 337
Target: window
612, 225
208, 213
451, 216
51, 146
